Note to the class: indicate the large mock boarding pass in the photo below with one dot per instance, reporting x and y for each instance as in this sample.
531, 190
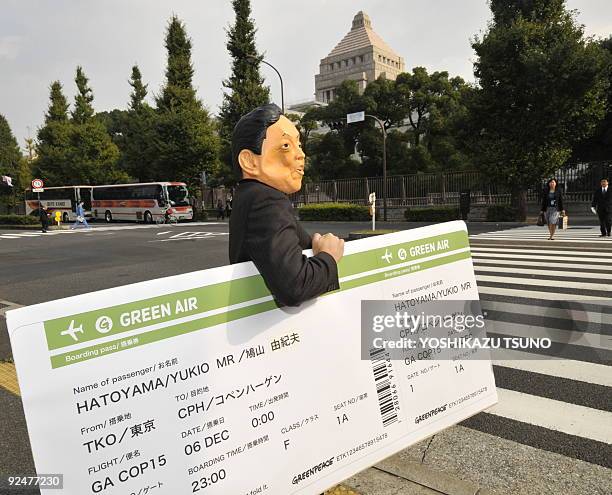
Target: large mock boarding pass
199, 383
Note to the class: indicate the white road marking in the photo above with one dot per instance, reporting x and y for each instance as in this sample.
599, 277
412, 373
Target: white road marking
509, 250
592, 340
541, 264
538, 257
598, 374
500, 269
549, 283
555, 415
533, 294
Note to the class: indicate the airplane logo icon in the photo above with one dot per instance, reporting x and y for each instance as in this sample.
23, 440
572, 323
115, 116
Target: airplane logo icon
387, 256
73, 331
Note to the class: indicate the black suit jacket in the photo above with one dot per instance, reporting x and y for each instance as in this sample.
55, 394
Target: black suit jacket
603, 202
558, 200
263, 229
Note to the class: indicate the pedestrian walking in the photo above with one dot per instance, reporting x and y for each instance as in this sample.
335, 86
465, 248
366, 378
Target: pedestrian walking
43, 214
228, 209
602, 205
220, 210
80, 219
552, 204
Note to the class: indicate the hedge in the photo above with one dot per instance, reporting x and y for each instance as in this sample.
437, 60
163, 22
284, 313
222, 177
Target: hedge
18, 220
501, 213
334, 212
432, 214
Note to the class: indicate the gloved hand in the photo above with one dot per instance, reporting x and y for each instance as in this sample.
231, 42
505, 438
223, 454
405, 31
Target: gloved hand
593, 210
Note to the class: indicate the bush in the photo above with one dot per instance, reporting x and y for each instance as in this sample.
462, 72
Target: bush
432, 214
18, 220
501, 213
341, 212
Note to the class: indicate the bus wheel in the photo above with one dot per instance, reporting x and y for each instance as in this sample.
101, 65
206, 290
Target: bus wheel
108, 216
65, 217
148, 218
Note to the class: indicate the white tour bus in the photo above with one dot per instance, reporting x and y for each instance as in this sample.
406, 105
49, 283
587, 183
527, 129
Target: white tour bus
62, 199
141, 202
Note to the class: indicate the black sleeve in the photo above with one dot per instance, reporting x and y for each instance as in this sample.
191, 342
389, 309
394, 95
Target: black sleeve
273, 243
305, 238
561, 201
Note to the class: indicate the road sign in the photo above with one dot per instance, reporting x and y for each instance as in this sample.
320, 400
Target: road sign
355, 117
37, 184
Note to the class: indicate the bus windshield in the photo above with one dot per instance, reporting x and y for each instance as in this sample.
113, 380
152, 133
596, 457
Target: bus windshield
179, 195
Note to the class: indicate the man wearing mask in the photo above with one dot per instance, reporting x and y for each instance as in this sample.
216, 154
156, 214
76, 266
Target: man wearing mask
267, 154
602, 205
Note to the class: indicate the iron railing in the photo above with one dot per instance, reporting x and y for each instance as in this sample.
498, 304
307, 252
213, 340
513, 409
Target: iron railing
577, 181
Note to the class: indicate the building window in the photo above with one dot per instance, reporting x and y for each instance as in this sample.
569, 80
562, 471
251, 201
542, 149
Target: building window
360, 58
327, 96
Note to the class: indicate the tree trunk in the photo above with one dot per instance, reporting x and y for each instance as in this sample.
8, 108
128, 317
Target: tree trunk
519, 201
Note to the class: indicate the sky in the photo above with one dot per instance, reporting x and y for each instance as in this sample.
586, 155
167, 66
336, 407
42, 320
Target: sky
44, 40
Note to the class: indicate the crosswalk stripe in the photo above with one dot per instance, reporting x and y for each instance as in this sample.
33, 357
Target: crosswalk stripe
499, 269
553, 414
579, 313
582, 371
480, 261
539, 257
592, 340
554, 296
510, 250
545, 282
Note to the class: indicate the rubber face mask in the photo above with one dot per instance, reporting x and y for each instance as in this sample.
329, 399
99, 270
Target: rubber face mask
281, 163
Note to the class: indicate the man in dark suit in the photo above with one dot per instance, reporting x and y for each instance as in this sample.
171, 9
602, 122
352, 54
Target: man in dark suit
267, 154
602, 203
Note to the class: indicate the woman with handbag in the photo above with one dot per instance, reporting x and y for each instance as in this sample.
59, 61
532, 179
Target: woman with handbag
552, 204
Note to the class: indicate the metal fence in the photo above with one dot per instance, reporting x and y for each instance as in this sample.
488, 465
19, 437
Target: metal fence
577, 181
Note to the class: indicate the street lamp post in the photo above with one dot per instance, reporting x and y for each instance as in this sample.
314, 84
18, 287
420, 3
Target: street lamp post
358, 117
255, 58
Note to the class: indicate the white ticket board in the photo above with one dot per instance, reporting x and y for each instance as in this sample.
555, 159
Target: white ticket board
199, 383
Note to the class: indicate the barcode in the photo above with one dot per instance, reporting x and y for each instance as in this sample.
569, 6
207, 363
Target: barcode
382, 381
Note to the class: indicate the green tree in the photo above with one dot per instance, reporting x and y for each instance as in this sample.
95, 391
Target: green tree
186, 143
329, 159
92, 154
245, 85
542, 88
139, 90
52, 162
9, 149
599, 145
83, 110
139, 138
10, 158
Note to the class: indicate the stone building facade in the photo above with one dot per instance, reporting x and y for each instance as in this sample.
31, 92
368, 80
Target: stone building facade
360, 56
